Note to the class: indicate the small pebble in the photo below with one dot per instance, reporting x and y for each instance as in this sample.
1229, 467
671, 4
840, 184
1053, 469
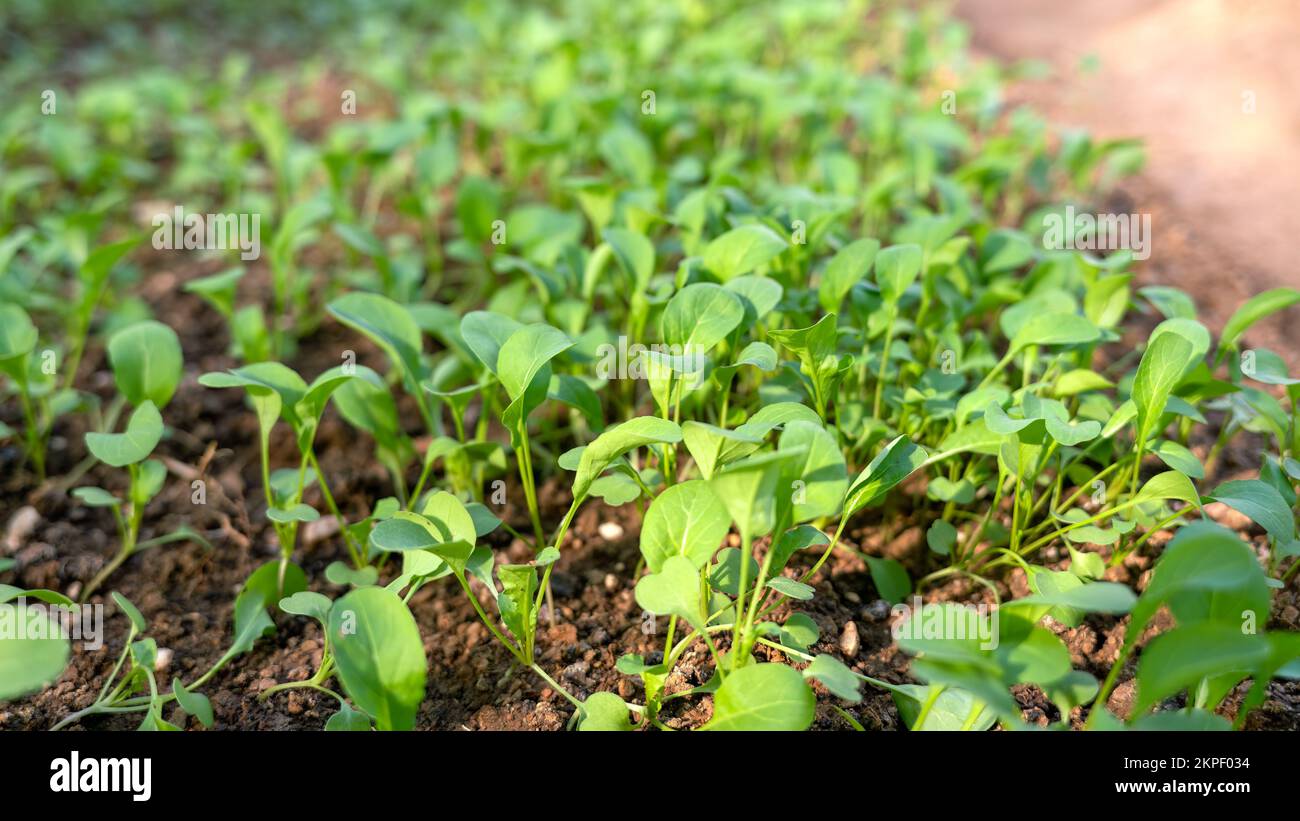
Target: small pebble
320, 530
878, 610
162, 660
610, 531
611, 582
849, 641
21, 525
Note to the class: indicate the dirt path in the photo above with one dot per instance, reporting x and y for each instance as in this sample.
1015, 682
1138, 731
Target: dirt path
1211, 87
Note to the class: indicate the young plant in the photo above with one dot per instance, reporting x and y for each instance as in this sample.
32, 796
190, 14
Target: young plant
146, 361
373, 646
278, 392
251, 622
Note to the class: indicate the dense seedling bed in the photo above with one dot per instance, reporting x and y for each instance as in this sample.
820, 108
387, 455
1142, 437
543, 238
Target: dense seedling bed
620, 366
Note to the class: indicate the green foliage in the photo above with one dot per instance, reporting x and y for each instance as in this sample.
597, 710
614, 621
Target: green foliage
836, 326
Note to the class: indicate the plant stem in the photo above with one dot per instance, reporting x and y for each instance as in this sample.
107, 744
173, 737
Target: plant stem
741, 591
839, 530
353, 548
556, 685
884, 363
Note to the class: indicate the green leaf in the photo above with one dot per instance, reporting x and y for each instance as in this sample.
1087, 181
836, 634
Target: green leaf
748, 488
1179, 458
347, 720
799, 631
518, 589
758, 294
1266, 367
485, 332
341, 574
308, 603
820, 474
604, 712
897, 267
617, 440
218, 289
147, 362
836, 676
789, 587
525, 353
725, 575
28, 664
18, 338
576, 393
770, 697
941, 537
712, 447
952, 709
1095, 597
791, 542
1169, 485
1192, 332
451, 519
143, 430
298, 513
1253, 310
484, 520
742, 250
96, 497
1261, 502
1079, 381
1205, 574
700, 316
130, 611
1181, 658
196, 704
848, 267
688, 520
389, 325
673, 591
261, 378
891, 580
1055, 328
1086, 565
635, 254
260, 591
898, 460
1159, 371
379, 655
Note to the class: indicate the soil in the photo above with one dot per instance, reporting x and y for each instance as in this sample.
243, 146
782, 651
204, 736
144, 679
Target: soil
186, 592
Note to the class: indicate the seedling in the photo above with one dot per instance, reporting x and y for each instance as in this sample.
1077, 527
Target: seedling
278, 392
146, 360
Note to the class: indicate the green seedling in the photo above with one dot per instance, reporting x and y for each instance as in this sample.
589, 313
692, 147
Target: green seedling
277, 393
146, 360
251, 622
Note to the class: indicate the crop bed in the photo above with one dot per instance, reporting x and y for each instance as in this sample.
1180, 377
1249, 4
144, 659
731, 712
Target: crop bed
618, 366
